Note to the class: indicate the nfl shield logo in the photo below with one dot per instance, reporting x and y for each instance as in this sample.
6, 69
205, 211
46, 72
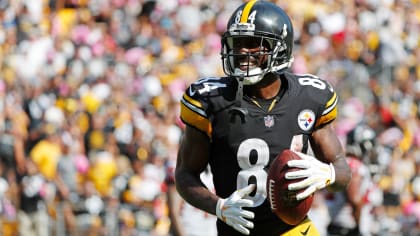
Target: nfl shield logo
268, 121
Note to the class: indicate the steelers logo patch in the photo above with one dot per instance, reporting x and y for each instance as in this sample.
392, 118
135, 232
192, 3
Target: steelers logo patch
306, 119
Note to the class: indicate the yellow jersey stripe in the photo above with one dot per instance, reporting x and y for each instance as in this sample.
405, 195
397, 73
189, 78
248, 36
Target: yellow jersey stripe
196, 120
327, 118
331, 101
329, 106
192, 101
272, 104
247, 9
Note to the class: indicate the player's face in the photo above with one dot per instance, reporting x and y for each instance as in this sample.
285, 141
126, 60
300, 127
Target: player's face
251, 52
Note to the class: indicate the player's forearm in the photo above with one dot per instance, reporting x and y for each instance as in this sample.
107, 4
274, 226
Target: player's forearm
328, 149
342, 174
195, 193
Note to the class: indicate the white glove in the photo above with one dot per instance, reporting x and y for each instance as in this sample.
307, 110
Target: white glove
230, 211
316, 174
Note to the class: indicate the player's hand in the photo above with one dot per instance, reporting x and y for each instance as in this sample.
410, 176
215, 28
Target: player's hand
230, 211
316, 175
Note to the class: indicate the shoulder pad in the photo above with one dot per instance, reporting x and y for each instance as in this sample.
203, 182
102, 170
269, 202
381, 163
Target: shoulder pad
322, 93
198, 99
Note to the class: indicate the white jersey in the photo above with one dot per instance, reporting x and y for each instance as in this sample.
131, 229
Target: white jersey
197, 222
341, 212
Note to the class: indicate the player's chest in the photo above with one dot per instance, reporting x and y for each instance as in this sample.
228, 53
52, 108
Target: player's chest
283, 122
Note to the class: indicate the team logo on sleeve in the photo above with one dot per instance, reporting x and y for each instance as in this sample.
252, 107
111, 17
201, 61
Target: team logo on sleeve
306, 119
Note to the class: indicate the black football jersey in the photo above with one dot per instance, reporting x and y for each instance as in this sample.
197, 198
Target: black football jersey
243, 146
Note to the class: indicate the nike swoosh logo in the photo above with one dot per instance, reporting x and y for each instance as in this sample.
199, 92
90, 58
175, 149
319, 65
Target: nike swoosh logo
304, 233
192, 92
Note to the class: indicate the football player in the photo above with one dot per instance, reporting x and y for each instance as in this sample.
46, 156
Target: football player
351, 210
187, 220
239, 123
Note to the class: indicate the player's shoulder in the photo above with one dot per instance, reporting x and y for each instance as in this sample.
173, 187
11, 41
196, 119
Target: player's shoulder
309, 86
355, 164
204, 97
210, 86
309, 83
310, 89
353, 161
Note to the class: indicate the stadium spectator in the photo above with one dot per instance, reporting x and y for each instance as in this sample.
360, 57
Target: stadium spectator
33, 216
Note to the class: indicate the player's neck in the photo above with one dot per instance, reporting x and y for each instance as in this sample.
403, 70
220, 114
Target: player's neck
267, 88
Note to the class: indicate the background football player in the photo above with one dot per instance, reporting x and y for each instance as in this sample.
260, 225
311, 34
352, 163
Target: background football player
351, 210
187, 220
239, 123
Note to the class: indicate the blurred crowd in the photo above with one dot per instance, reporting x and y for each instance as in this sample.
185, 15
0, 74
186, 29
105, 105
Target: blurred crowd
90, 90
